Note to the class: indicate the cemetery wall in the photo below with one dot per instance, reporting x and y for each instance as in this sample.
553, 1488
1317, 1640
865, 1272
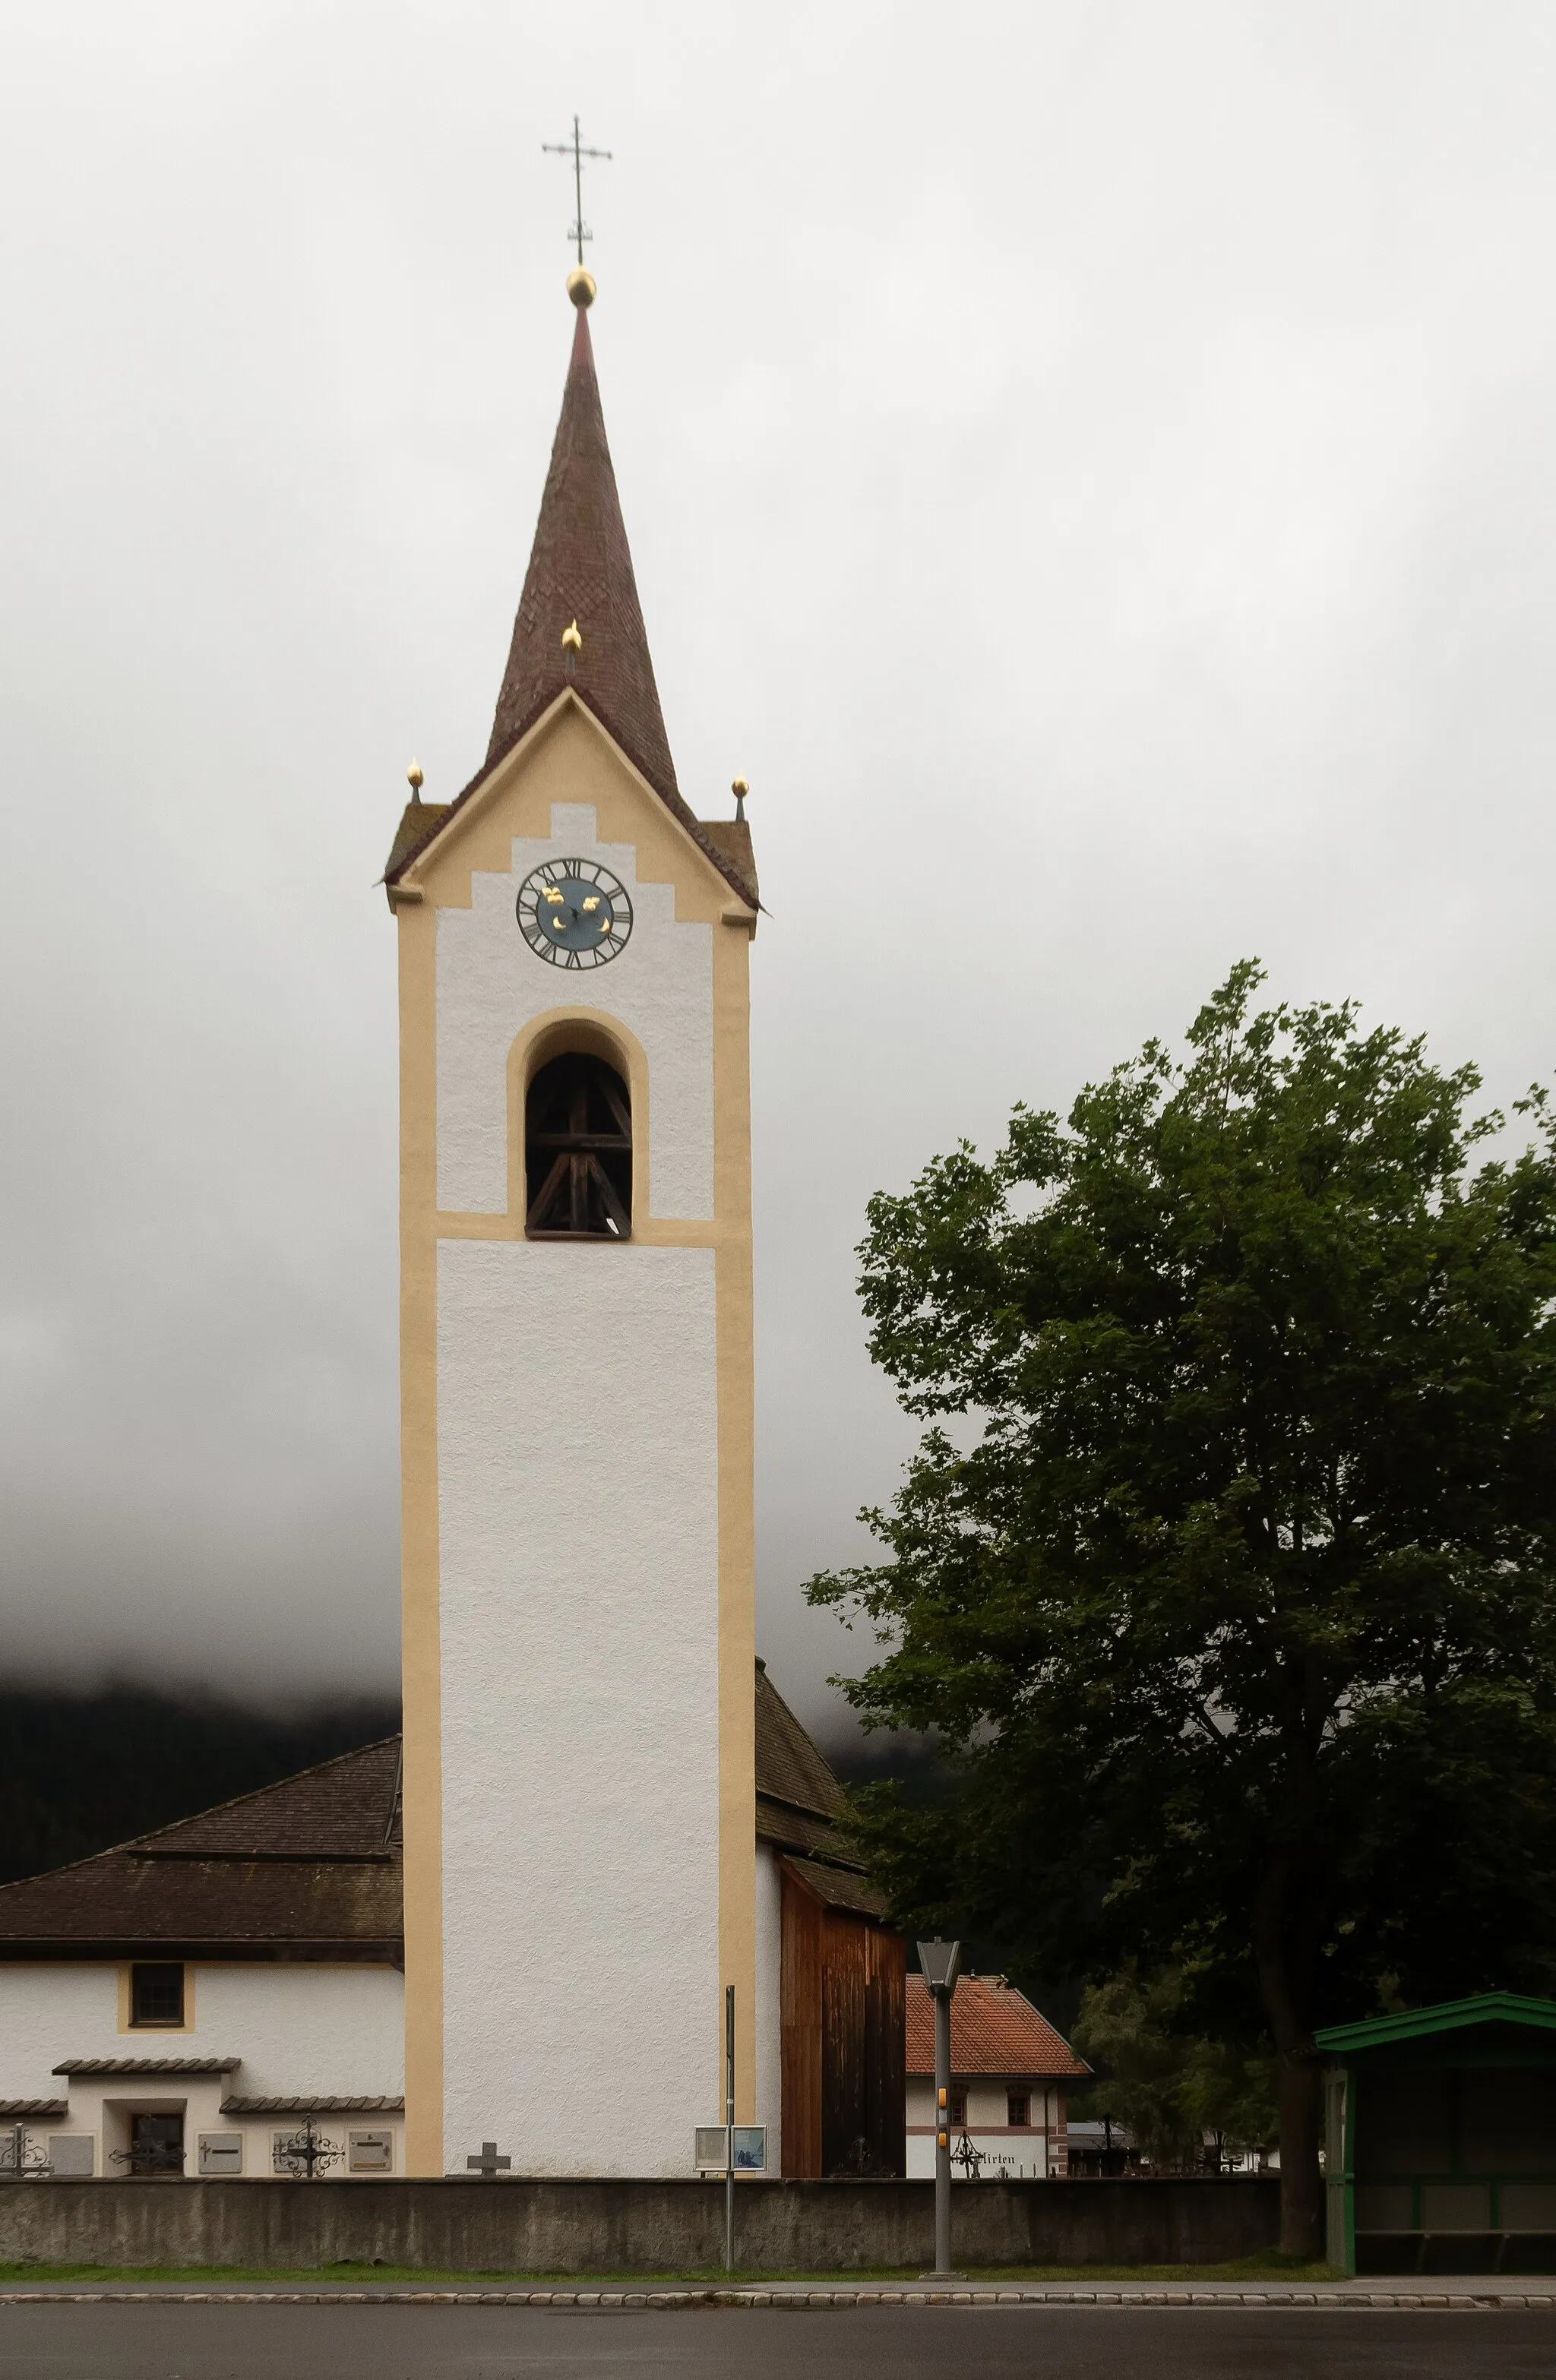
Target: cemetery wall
599, 2227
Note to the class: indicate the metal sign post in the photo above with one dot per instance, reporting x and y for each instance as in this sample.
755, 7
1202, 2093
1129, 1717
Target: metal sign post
729, 2128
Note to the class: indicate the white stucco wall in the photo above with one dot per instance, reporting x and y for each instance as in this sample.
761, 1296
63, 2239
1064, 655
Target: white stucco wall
578, 1489
768, 2015
310, 2030
490, 984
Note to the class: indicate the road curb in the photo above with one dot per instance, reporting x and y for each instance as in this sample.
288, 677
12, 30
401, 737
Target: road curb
804, 2300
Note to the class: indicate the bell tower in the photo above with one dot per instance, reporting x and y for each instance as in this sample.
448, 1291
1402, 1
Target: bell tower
576, 1395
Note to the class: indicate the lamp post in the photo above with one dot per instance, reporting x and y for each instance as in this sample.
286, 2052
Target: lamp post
941, 1964
729, 2128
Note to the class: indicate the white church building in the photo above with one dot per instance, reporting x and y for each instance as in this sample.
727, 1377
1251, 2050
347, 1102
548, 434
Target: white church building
518, 1925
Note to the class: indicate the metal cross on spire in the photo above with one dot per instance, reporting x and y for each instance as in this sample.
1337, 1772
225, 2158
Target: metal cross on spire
575, 149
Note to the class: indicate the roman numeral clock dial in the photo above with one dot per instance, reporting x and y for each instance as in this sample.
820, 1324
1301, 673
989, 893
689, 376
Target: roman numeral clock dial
573, 914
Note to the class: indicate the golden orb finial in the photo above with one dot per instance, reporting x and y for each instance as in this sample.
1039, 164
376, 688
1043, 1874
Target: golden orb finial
415, 779
572, 637
739, 788
580, 286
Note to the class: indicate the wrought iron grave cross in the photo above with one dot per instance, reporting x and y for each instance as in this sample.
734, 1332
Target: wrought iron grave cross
578, 229
489, 2162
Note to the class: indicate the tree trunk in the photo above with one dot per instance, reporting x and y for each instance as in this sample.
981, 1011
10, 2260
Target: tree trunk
1283, 1940
1300, 2099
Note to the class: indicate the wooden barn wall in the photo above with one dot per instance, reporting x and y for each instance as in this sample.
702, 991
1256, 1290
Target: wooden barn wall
844, 2041
886, 2048
800, 2030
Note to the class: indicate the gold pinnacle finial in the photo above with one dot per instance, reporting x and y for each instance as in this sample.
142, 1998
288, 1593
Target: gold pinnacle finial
415, 779
739, 788
572, 639
580, 286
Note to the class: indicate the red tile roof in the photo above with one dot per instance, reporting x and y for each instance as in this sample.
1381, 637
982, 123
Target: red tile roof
994, 2030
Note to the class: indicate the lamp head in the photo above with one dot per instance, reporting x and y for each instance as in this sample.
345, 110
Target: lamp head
941, 1963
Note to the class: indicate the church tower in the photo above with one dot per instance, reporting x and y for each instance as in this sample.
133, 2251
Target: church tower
575, 1397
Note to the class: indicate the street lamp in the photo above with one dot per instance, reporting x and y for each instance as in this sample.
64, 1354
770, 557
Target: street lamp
941, 1964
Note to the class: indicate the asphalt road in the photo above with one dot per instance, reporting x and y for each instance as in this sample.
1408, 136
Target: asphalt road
217, 2342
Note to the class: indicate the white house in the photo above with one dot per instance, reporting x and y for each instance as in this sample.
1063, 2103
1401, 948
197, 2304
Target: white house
1010, 2072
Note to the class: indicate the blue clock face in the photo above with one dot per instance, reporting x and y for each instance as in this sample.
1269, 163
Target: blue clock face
574, 913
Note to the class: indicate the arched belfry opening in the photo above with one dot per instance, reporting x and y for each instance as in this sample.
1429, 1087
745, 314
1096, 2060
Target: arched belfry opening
577, 1151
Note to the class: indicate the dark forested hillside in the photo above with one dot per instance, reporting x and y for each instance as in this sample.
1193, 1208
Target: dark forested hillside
79, 1772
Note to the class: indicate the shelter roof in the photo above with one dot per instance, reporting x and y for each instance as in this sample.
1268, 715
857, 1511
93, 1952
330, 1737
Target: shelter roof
1447, 2016
994, 2030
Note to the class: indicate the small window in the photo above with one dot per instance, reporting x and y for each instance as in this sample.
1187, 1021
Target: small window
956, 2105
156, 1993
1018, 2108
578, 1151
371, 2153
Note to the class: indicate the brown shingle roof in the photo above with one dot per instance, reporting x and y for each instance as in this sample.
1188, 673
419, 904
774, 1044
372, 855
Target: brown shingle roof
341, 1810
310, 1867
994, 2030
789, 1767
837, 1887
581, 568
304, 1868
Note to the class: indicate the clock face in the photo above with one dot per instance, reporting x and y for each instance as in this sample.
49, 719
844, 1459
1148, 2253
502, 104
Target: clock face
574, 913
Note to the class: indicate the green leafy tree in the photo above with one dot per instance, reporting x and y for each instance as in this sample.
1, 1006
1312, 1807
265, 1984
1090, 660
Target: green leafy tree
1179, 2094
1224, 1569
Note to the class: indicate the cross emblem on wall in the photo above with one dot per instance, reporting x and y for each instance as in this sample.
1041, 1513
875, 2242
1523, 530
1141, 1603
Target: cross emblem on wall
489, 2162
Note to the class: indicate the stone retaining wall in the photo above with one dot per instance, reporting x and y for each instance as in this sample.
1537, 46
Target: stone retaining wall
629, 2226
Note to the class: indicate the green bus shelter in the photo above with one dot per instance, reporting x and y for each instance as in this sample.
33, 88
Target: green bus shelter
1440, 2138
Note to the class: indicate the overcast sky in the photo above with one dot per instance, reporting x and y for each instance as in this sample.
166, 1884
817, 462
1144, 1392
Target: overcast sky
1090, 466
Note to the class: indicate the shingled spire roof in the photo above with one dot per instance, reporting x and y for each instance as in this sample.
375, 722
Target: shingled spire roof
580, 571
581, 568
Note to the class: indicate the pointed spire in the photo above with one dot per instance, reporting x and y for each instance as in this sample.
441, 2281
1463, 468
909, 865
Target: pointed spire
581, 588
